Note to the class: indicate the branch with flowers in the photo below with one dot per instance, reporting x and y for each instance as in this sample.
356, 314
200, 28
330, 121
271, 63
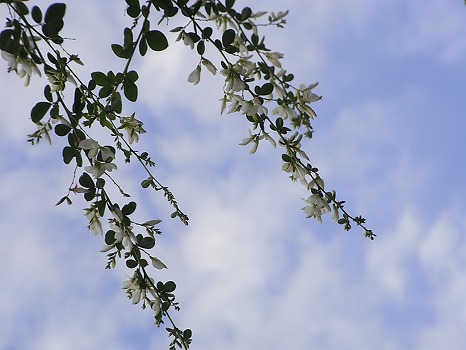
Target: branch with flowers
254, 83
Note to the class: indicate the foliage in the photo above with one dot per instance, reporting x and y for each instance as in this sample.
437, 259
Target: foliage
256, 85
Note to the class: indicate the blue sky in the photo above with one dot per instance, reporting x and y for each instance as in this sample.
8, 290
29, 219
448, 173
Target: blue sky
252, 272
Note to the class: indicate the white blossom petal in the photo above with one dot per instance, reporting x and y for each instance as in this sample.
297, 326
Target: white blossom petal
195, 76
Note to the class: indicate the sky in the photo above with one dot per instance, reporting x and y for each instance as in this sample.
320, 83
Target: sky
252, 272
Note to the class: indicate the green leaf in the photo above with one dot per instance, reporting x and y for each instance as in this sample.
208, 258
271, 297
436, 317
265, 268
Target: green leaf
246, 13
131, 263
207, 32
48, 93
110, 237
100, 78
156, 40
147, 243
142, 47
78, 104
146, 183
62, 129
36, 14
8, 42
228, 37
286, 158
68, 154
22, 8
132, 76
116, 104
53, 27
266, 89
201, 47
105, 91
86, 181
101, 205
229, 3
39, 110
132, 3
134, 8
279, 122
187, 333
130, 90
100, 183
55, 11
118, 50
129, 208
128, 37
89, 196
169, 286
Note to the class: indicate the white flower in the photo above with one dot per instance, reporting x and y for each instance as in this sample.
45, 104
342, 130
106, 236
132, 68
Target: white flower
152, 223
270, 139
98, 169
307, 94
318, 183
315, 207
92, 146
95, 226
133, 290
285, 111
58, 79
77, 189
195, 76
252, 107
124, 235
236, 102
233, 82
210, 67
157, 263
335, 215
274, 58
249, 139
187, 40
156, 307
106, 248
280, 15
133, 128
24, 67
224, 104
11, 59
107, 154
252, 138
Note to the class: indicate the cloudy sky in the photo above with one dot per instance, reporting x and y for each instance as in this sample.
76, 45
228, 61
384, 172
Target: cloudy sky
252, 272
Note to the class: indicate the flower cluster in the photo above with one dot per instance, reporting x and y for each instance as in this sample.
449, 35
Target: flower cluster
142, 289
100, 157
315, 207
58, 79
133, 128
24, 67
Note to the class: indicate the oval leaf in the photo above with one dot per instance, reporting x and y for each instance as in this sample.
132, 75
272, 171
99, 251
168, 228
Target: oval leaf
131, 263
156, 40
129, 208
62, 129
228, 37
86, 181
100, 78
169, 286
56, 10
130, 90
36, 14
147, 243
39, 110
